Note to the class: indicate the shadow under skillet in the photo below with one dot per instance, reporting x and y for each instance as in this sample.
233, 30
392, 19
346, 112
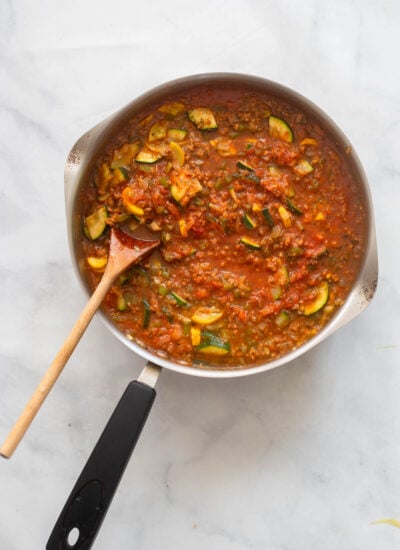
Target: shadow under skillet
222, 426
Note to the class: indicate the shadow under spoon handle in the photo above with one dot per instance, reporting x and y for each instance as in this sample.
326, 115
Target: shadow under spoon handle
92, 494
54, 371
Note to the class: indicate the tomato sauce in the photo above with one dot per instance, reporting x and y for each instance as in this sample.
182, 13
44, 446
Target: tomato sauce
261, 221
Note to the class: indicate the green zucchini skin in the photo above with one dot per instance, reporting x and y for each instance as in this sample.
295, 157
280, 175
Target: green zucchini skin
244, 166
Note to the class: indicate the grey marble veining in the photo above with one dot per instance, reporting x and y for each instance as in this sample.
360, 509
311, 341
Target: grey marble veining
301, 458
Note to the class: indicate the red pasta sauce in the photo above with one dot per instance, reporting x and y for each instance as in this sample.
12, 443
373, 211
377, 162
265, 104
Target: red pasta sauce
262, 224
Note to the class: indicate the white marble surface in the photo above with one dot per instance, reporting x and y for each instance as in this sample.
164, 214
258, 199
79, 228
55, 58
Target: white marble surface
304, 457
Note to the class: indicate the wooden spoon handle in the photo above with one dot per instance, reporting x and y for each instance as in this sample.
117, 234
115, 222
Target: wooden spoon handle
54, 371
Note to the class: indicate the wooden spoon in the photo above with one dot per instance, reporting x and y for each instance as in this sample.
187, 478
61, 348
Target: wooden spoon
125, 250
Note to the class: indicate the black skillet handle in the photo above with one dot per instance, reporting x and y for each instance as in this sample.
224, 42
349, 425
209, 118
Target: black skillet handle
92, 494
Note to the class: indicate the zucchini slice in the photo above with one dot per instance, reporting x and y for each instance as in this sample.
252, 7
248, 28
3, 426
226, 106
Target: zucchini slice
268, 218
276, 292
121, 304
146, 313
120, 174
124, 155
95, 224
158, 131
213, 345
250, 244
319, 301
178, 155
293, 208
97, 263
249, 222
147, 156
128, 200
178, 299
252, 176
203, 118
244, 166
303, 168
220, 348
184, 186
206, 315
280, 129
282, 319
178, 192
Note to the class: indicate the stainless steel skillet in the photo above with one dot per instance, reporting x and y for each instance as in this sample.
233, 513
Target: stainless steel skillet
93, 492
